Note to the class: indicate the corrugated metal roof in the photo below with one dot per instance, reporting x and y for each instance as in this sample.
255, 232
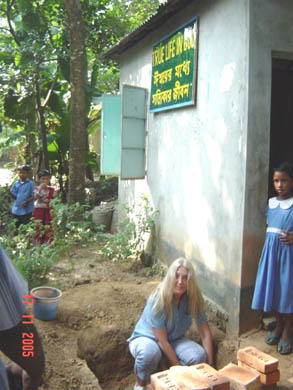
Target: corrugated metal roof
161, 16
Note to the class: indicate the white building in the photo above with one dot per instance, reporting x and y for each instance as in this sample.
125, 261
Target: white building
207, 164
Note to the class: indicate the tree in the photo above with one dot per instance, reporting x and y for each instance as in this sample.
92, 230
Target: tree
77, 78
35, 75
30, 63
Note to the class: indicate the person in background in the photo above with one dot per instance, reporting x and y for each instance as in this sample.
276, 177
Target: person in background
273, 287
42, 211
166, 318
26, 370
22, 192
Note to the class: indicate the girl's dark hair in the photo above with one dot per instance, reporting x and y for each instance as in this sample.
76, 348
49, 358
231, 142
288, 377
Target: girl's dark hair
285, 167
43, 173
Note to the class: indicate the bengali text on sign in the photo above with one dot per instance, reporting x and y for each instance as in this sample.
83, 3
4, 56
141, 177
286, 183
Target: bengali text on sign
174, 69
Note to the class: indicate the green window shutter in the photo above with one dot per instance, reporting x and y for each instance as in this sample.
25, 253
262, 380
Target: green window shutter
111, 135
133, 132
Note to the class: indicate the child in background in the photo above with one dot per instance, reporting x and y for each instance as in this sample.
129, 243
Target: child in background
22, 192
273, 287
42, 211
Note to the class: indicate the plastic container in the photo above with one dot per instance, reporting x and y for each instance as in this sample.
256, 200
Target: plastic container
46, 300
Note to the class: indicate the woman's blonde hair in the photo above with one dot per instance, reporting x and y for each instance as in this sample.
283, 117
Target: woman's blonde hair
163, 295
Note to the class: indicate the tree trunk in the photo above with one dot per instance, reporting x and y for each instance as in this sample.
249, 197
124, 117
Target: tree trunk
43, 128
77, 79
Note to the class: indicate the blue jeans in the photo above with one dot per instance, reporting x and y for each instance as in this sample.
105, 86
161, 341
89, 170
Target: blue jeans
147, 354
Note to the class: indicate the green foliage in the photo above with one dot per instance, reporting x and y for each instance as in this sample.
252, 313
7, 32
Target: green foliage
139, 222
35, 65
34, 42
156, 269
118, 247
34, 262
72, 225
5, 204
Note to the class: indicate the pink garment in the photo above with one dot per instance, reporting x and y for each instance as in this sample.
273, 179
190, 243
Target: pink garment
46, 195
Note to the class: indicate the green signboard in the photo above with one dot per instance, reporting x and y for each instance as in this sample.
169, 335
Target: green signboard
174, 68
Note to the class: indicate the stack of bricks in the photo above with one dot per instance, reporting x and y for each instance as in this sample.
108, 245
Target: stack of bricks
255, 371
259, 362
196, 377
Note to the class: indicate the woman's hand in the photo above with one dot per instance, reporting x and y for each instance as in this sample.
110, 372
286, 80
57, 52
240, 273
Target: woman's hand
207, 341
286, 238
161, 336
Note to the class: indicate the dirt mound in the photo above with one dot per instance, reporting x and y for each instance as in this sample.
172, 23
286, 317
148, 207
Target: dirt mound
100, 305
105, 313
107, 303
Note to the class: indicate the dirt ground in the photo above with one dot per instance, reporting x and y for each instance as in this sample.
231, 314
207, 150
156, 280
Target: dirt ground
106, 298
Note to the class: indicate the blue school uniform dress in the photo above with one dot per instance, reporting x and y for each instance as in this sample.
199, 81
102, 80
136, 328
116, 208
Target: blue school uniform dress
273, 286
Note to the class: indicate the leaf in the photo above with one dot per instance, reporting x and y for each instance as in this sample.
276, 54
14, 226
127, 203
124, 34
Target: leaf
31, 21
94, 126
17, 59
62, 135
6, 56
64, 65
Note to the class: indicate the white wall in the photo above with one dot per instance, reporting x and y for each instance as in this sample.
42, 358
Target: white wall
196, 156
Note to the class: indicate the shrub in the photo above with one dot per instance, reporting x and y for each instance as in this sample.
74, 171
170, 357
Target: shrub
130, 239
71, 225
5, 204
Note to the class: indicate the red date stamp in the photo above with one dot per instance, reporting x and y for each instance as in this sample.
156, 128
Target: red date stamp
28, 338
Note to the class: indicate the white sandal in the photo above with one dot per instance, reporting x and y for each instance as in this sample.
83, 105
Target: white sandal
138, 387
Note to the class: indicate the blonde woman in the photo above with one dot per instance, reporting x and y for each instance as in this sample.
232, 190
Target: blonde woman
166, 317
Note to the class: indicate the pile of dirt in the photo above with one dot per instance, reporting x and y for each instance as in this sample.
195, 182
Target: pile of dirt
100, 305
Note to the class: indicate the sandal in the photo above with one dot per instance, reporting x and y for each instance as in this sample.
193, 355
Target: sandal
138, 387
284, 347
272, 338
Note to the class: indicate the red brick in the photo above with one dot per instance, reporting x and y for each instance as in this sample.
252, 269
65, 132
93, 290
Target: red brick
162, 381
190, 380
259, 360
215, 380
265, 379
181, 378
240, 378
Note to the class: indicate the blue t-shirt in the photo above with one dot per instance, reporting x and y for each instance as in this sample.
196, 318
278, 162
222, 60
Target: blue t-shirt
176, 328
22, 191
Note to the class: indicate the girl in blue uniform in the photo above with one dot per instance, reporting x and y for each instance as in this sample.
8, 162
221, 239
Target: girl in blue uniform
273, 287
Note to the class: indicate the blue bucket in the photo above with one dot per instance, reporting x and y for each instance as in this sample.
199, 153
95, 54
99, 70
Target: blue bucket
46, 300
